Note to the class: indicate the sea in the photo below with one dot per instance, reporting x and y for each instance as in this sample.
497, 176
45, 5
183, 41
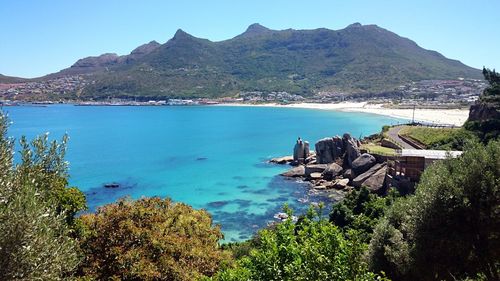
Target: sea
210, 157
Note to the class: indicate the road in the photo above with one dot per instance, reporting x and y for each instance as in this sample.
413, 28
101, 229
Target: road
393, 134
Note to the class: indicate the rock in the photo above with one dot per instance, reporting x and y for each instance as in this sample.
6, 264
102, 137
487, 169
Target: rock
320, 187
315, 176
112, 185
298, 171
315, 168
375, 183
331, 171
363, 163
349, 174
311, 159
282, 160
328, 150
358, 181
341, 184
351, 146
300, 151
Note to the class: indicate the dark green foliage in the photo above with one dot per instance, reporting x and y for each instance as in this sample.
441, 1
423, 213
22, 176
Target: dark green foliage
360, 211
312, 250
491, 94
357, 59
450, 228
35, 240
149, 239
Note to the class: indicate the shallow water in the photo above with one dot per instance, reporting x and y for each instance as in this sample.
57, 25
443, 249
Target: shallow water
211, 157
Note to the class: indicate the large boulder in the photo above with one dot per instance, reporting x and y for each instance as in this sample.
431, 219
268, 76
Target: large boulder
331, 171
298, 171
341, 183
364, 162
315, 168
351, 146
298, 152
328, 150
375, 183
358, 181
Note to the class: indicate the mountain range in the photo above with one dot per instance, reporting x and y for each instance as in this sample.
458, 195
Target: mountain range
356, 59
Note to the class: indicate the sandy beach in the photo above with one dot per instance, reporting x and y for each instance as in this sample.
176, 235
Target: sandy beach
455, 117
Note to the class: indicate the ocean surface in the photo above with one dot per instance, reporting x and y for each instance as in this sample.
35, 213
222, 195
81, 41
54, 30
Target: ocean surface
211, 157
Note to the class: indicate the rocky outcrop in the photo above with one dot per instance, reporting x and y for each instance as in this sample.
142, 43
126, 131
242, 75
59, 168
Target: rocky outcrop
483, 111
341, 183
351, 146
328, 150
300, 151
298, 171
282, 160
375, 183
331, 171
358, 181
363, 163
315, 168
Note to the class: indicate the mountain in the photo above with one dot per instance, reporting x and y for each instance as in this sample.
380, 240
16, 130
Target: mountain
356, 59
9, 79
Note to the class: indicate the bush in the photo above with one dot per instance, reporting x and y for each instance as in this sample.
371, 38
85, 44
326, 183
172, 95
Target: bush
35, 242
150, 239
450, 228
312, 249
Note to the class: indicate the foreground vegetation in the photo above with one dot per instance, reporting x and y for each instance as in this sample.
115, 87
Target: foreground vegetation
448, 230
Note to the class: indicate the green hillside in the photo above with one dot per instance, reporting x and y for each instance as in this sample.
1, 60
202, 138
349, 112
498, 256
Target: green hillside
356, 59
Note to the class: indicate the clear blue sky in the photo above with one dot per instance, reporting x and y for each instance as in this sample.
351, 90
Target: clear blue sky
44, 36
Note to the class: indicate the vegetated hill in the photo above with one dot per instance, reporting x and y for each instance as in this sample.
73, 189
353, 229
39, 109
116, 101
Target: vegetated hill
356, 59
9, 79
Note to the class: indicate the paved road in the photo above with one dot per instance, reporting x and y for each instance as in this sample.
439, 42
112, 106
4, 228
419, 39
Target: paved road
393, 134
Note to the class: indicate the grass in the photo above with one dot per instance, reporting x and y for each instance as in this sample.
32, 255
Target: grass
438, 138
377, 149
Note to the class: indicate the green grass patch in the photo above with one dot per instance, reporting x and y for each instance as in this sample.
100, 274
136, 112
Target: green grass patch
439, 138
377, 149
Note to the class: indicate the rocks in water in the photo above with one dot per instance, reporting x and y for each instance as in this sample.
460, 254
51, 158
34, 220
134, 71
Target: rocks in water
112, 185
331, 171
363, 163
375, 183
300, 151
299, 171
351, 146
201, 158
328, 150
315, 168
359, 180
282, 160
340, 183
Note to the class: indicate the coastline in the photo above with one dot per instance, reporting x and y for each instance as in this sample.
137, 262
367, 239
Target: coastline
455, 117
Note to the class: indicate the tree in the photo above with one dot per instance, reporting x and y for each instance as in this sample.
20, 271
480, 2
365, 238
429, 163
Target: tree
34, 236
311, 249
450, 228
150, 239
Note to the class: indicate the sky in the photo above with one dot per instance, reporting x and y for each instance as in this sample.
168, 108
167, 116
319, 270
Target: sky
39, 37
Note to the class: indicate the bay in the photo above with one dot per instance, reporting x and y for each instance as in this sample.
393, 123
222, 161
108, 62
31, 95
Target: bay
211, 157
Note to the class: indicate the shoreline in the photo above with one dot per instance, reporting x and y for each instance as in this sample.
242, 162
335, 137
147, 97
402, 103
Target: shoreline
455, 117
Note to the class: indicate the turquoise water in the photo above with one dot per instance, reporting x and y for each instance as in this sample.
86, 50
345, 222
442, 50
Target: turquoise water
211, 157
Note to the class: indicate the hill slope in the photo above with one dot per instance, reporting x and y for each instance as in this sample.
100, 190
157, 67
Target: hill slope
356, 59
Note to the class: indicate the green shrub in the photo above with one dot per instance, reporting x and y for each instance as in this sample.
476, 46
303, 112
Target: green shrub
450, 228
